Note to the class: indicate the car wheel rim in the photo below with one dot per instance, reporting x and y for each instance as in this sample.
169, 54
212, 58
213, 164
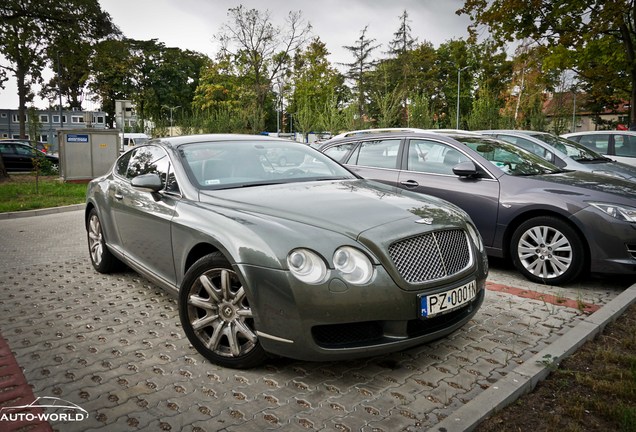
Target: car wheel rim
545, 252
95, 240
219, 314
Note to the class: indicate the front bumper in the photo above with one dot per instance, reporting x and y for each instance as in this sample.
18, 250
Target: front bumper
335, 321
612, 243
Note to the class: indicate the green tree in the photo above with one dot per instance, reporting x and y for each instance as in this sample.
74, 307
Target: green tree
29, 28
262, 53
523, 103
398, 69
454, 61
420, 114
222, 95
403, 40
155, 77
358, 70
112, 75
594, 38
387, 99
485, 111
173, 83
314, 83
71, 62
331, 116
306, 115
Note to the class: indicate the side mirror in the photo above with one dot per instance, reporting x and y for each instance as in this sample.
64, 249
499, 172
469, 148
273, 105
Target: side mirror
465, 169
150, 182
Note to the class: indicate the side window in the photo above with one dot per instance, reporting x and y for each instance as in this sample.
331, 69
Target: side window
339, 152
433, 157
529, 146
625, 145
122, 164
377, 153
6, 149
24, 150
599, 143
171, 185
149, 160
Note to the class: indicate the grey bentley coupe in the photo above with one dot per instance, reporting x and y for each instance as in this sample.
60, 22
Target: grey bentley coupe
293, 256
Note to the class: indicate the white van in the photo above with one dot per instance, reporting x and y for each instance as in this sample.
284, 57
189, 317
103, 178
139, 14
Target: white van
129, 140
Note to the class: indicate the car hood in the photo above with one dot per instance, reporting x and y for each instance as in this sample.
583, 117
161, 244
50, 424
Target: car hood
612, 168
594, 186
347, 206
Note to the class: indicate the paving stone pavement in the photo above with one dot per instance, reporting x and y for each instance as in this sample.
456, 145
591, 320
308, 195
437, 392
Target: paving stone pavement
113, 345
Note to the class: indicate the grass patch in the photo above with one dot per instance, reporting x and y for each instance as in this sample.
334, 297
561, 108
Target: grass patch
22, 192
592, 390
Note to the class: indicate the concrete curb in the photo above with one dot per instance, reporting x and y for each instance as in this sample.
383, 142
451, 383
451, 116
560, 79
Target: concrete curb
524, 378
41, 212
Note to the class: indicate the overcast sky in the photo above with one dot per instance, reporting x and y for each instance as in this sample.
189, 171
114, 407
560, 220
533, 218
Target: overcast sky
192, 24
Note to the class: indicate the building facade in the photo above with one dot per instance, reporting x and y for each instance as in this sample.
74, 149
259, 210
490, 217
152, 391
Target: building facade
48, 122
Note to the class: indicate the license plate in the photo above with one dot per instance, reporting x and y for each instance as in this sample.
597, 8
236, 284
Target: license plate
434, 304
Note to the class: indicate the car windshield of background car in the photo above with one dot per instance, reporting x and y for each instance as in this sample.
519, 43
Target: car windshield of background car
573, 149
232, 164
509, 158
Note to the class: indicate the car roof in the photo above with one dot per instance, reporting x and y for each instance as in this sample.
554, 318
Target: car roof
378, 131
514, 131
190, 139
395, 133
599, 132
17, 141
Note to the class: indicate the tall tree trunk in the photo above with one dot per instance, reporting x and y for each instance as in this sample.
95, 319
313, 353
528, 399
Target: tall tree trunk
4, 175
22, 96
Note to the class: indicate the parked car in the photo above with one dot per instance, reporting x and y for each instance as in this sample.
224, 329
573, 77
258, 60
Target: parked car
619, 145
564, 153
130, 140
40, 145
552, 224
309, 262
19, 157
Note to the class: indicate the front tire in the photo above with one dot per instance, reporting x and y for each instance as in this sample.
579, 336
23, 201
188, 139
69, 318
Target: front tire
216, 315
547, 250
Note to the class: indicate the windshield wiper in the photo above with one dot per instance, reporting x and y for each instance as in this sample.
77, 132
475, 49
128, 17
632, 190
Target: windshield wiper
599, 159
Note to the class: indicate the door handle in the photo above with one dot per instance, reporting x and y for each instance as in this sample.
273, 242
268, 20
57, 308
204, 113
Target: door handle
409, 183
118, 196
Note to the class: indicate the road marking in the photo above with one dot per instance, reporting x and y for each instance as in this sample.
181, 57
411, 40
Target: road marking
547, 298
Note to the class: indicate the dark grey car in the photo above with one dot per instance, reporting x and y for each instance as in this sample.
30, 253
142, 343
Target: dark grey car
564, 153
18, 156
552, 224
307, 261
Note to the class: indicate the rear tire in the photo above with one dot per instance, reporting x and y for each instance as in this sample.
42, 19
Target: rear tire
547, 250
102, 259
216, 315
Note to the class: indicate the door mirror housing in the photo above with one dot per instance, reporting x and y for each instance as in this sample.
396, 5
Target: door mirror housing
150, 182
466, 169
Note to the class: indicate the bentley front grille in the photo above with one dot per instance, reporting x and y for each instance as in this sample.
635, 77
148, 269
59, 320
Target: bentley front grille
431, 256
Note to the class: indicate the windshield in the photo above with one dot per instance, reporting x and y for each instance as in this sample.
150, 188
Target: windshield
573, 149
511, 159
232, 164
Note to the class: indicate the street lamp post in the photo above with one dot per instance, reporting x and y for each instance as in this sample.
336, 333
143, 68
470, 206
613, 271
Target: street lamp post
459, 74
574, 109
171, 110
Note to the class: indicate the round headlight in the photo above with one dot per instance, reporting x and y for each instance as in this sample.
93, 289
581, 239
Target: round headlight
307, 266
354, 266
